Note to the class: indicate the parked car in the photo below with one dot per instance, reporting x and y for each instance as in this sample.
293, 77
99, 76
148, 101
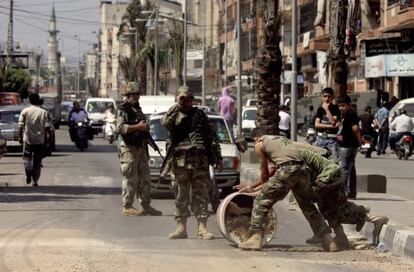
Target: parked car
96, 107
248, 122
9, 128
65, 108
3, 146
52, 105
9, 98
226, 179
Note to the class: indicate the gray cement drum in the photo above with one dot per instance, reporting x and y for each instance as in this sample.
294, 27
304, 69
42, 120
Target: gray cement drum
233, 218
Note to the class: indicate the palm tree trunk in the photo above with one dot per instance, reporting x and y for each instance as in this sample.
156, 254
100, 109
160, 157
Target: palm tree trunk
268, 68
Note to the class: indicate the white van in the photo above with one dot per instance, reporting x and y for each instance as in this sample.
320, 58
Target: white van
151, 104
96, 107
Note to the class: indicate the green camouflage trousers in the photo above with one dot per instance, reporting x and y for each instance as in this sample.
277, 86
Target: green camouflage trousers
190, 187
333, 204
136, 179
298, 179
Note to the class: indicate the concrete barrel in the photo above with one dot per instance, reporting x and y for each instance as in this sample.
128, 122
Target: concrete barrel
233, 218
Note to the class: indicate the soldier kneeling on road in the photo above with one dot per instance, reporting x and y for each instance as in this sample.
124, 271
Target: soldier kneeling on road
312, 178
133, 153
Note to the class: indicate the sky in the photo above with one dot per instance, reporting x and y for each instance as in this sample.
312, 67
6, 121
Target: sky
74, 17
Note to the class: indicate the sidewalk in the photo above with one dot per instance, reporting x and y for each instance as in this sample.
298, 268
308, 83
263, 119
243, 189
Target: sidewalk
397, 235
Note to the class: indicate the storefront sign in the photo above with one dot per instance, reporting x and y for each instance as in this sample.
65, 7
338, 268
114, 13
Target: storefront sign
401, 65
375, 66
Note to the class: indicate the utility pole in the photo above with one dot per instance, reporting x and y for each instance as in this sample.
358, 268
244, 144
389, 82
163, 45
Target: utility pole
185, 45
156, 53
239, 72
10, 42
203, 76
78, 72
225, 43
294, 80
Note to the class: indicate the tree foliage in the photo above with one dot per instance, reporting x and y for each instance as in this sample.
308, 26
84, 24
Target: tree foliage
16, 80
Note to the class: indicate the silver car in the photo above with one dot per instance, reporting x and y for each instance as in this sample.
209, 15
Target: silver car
226, 179
9, 126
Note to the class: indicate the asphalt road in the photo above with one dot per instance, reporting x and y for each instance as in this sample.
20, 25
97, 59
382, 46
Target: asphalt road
73, 222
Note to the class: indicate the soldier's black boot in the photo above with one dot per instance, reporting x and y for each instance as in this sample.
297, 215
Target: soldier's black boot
149, 210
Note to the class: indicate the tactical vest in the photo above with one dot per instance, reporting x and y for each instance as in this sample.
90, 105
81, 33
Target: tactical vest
134, 116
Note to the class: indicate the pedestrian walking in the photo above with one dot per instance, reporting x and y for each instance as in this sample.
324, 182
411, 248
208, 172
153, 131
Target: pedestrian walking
133, 154
227, 108
192, 148
284, 122
310, 118
34, 128
382, 124
349, 140
326, 123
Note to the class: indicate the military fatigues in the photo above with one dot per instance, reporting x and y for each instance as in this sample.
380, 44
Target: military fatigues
329, 187
195, 146
311, 178
134, 159
291, 174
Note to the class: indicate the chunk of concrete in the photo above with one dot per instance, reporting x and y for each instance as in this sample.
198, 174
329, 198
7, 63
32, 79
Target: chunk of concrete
372, 183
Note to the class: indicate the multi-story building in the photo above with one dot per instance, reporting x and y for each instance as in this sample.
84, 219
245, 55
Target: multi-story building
110, 47
381, 57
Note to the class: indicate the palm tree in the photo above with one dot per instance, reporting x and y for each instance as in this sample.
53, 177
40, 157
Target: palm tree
135, 66
337, 67
268, 68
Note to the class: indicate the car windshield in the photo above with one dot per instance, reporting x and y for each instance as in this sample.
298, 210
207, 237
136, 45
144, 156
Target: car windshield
98, 106
249, 114
160, 133
66, 108
9, 117
410, 109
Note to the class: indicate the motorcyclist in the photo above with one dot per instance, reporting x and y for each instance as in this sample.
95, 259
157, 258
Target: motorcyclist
402, 125
110, 113
77, 114
366, 125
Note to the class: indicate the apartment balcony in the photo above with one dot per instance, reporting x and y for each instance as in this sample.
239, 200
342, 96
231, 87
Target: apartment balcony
399, 17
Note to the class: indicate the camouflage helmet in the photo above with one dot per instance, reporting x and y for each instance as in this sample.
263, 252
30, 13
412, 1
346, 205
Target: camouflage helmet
132, 88
184, 91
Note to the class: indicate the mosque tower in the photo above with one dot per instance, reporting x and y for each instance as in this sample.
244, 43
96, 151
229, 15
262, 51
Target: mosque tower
52, 44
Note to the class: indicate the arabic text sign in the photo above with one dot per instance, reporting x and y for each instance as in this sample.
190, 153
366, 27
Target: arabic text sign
400, 65
375, 66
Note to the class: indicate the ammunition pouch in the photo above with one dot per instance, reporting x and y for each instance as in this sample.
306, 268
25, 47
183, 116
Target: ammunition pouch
135, 139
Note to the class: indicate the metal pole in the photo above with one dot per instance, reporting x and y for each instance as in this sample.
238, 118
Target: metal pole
156, 53
225, 43
185, 45
239, 71
282, 30
203, 78
78, 75
294, 84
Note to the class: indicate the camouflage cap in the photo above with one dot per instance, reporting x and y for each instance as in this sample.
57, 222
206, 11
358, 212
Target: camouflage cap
184, 91
132, 88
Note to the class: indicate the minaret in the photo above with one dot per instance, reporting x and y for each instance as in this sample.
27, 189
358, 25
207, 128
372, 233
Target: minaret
52, 44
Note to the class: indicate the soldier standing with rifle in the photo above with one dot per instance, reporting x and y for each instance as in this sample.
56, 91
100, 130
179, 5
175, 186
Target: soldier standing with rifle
193, 147
133, 154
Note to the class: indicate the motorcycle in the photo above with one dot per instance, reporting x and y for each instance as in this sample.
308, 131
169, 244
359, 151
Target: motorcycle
404, 147
109, 131
311, 135
81, 135
366, 146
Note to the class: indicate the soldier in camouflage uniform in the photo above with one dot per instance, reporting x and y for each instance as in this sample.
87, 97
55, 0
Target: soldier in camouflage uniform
133, 154
312, 178
194, 146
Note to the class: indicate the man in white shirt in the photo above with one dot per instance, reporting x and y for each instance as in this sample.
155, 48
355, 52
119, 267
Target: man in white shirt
284, 122
34, 123
403, 124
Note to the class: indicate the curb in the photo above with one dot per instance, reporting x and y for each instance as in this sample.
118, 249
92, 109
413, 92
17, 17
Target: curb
398, 239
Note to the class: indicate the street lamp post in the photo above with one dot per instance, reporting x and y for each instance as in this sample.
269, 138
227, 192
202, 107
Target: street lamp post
185, 45
294, 80
156, 54
79, 61
239, 70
